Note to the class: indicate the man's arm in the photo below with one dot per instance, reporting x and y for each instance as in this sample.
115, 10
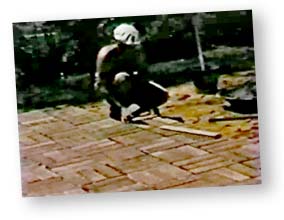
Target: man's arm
105, 66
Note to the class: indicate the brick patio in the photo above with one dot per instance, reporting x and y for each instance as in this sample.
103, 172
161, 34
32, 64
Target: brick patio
79, 149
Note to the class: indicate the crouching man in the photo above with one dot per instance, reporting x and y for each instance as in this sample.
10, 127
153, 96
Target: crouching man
121, 75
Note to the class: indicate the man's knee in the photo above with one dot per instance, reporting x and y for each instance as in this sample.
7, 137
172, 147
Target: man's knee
122, 84
120, 78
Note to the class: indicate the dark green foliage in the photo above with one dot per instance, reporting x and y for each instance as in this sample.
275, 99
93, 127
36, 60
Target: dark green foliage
55, 60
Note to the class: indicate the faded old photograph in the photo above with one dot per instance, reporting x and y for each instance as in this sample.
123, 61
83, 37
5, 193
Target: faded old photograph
137, 103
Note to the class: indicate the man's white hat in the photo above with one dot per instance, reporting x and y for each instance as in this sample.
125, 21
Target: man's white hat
126, 34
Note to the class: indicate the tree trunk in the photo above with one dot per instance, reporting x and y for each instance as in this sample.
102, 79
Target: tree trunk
196, 26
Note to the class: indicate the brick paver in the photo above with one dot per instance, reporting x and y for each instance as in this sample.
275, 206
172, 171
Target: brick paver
79, 149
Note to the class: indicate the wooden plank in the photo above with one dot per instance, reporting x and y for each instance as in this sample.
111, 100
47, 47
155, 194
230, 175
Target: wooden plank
243, 117
191, 131
142, 118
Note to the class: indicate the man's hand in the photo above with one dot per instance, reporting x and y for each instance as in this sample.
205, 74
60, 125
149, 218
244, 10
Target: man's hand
128, 119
